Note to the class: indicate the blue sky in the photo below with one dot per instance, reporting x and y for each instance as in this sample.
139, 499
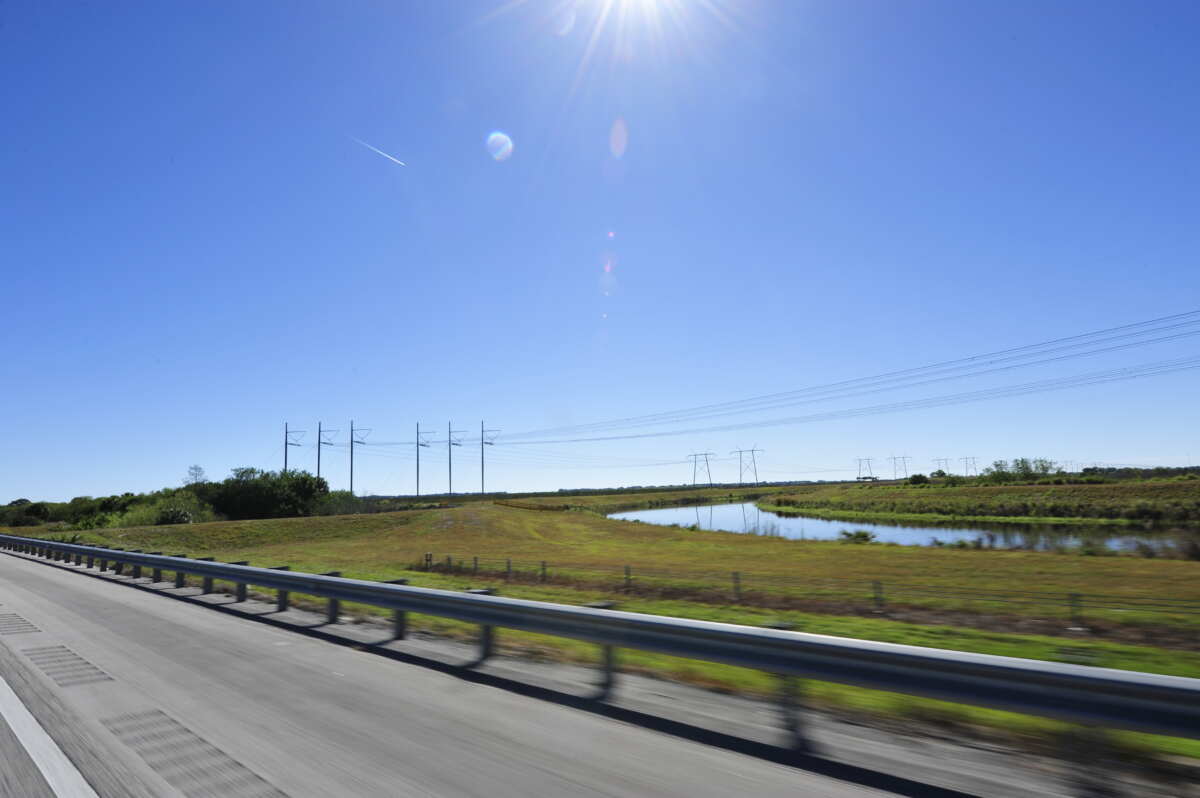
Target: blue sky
197, 248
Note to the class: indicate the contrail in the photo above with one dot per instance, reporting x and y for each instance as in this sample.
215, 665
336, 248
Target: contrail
381, 152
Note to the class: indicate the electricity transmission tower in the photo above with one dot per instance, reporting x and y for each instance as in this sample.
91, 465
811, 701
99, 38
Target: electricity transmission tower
969, 465
288, 440
321, 441
353, 442
420, 443
943, 464
899, 463
483, 441
743, 467
696, 462
450, 444
864, 468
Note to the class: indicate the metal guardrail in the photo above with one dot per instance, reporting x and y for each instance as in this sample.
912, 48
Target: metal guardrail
1151, 703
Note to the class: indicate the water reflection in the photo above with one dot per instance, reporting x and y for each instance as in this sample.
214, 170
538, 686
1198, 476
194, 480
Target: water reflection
748, 518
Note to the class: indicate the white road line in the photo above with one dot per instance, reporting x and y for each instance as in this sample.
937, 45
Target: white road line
62, 776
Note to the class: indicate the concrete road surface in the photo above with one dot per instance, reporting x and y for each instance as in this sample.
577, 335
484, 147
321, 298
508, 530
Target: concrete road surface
127, 693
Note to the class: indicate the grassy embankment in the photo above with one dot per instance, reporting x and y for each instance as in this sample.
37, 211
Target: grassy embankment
384, 546
1158, 502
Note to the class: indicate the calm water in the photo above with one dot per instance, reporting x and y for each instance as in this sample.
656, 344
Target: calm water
749, 519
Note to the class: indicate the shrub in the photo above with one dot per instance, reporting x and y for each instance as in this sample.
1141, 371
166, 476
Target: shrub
857, 536
172, 515
918, 479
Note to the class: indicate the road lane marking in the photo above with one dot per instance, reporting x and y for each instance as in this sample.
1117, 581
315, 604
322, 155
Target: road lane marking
58, 771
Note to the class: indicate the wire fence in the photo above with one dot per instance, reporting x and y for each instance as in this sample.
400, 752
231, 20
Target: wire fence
768, 589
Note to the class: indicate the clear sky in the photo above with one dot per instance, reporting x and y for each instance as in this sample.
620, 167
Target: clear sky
205, 232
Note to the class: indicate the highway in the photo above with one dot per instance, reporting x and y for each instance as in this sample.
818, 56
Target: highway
139, 694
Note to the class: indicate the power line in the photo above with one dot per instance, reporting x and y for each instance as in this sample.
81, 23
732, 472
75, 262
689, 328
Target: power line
420, 443
483, 433
877, 383
354, 441
450, 443
321, 441
1021, 389
289, 441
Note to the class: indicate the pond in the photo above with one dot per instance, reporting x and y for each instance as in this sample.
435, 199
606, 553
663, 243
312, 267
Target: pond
749, 519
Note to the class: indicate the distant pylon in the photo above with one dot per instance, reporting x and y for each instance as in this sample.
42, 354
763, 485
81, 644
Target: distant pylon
744, 466
864, 468
943, 464
696, 462
899, 463
969, 466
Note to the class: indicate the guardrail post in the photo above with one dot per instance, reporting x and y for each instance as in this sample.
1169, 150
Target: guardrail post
737, 586
206, 583
156, 572
487, 633
1075, 600
103, 563
281, 598
179, 575
118, 566
78, 558
877, 595
399, 617
608, 652
91, 560
137, 569
790, 693
334, 609
628, 578
240, 587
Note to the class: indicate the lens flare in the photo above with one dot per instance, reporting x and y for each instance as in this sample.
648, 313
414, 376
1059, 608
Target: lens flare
499, 145
618, 138
565, 22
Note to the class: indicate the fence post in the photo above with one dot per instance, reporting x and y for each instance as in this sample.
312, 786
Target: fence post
628, 578
429, 561
156, 573
449, 563
281, 599
508, 570
542, 578
206, 584
1075, 600
399, 617
475, 566
737, 586
877, 595
334, 609
240, 587
179, 576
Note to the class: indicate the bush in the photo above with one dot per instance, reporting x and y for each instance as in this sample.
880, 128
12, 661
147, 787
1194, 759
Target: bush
857, 536
172, 515
251, 493
918, 479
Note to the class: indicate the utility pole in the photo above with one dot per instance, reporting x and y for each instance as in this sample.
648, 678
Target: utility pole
287, 441
322, 442
482, 442
354, 441
420, 443
969, 465
450, 443
899, 463
752, 465
864, 468
696, 462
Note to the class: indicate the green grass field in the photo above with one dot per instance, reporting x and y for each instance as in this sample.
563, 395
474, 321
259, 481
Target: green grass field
579, 544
